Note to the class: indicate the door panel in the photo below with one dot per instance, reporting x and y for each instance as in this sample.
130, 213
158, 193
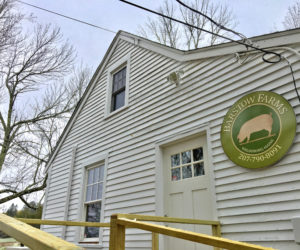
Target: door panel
187, 189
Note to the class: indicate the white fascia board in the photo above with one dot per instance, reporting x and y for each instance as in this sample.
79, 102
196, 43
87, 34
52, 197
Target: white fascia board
283, 38
152, 46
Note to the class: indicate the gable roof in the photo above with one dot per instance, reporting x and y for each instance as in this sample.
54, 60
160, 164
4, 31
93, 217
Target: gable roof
277, 39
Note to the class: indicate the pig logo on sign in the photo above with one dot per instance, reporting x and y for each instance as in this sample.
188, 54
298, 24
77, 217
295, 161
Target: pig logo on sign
256, 124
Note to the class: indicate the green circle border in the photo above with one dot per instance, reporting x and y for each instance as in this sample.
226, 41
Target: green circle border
284, 140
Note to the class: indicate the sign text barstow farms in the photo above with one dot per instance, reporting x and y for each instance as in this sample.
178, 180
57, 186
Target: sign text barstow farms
258, 129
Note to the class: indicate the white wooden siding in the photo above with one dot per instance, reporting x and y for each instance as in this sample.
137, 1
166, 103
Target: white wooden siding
252, 205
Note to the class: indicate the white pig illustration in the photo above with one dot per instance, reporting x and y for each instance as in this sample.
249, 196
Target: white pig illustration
258, 123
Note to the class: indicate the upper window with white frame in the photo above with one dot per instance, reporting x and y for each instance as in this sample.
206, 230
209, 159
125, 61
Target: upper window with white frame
118, 89
93, 200
117, 95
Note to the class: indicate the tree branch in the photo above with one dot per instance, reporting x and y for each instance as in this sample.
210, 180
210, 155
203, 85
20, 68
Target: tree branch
17, 194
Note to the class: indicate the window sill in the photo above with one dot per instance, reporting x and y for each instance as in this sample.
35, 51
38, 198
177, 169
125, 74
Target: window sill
90, 245
107, 116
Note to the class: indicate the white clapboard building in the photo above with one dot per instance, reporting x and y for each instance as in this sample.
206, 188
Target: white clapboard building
149, 108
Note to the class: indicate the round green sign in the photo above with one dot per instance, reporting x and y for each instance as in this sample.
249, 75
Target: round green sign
258, 129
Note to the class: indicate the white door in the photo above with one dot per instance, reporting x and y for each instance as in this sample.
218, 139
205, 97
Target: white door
187, 191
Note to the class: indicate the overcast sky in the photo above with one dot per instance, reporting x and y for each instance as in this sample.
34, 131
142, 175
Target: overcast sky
255, 17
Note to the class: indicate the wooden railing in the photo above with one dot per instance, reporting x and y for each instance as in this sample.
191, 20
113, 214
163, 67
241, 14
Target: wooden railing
37, 239
119, 223
216, 227
32, 237
63, 223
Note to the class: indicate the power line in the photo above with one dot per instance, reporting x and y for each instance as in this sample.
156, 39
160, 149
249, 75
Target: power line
207, 31
210, 19
246, 39
68, 17
266, 52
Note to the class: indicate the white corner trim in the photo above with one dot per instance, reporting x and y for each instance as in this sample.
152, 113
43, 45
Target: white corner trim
68, 194
46, 195
125, 61
212, 173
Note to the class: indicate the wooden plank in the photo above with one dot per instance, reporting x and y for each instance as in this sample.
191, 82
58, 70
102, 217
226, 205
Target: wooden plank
192, 236
120, 239
33, 237
113, 232
117, 234
155, 241
63, 223
167, 219
216, 231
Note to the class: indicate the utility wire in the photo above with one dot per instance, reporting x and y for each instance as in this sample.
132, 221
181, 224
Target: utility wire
266, 52
68, 17
294, 81
207, 31
246, 39
210, 19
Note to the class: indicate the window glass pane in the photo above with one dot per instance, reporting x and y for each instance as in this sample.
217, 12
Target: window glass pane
119, 80
90, 176
124, 73
175, 160
175, 174
88, 193
199, 169
101, 173
186, 172
119, 100
96, 175
94, 192
99, 193
93, 212
198, 154
186, 157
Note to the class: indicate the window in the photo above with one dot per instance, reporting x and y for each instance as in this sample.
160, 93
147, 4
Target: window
187, 164
93, 200
118, 89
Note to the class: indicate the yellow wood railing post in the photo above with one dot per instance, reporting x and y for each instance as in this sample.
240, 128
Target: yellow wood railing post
216, 231
113, 232
117, 234
155, 241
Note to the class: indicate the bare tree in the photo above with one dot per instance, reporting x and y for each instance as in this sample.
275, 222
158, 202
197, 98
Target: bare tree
292, 17
183, 36
163, 30
9, 24
194, 37
35, 101
224, 16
